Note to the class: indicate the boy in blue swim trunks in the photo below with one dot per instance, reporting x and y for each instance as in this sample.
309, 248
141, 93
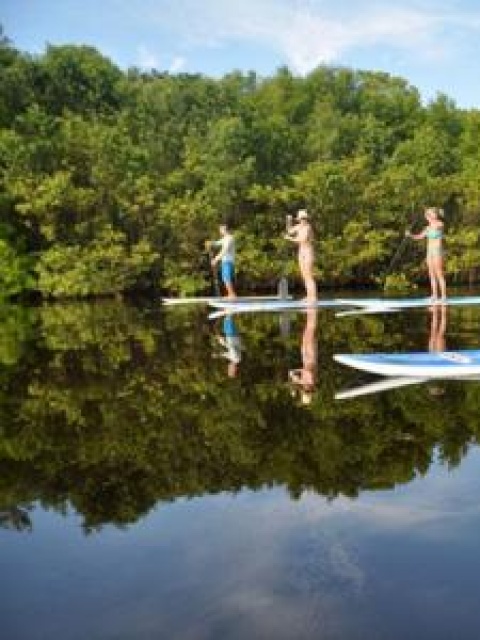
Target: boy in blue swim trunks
226, 256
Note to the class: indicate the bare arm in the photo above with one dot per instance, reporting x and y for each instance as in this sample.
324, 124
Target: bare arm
416, 236
298, 233
292, 233
222, 252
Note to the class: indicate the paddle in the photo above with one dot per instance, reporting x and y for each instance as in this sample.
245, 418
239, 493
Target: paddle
401, 246
213, 270
282, 288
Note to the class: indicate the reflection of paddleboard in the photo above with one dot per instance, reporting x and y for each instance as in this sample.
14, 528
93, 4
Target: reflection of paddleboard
351, 306
437, 364
381, 304
377, 387
392, 383
212, 299
363, 311
234, 306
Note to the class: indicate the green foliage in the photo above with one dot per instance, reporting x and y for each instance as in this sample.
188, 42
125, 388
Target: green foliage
160, 159
397, 282
464, 253
15, 272
356, 256
78, 79
106, 266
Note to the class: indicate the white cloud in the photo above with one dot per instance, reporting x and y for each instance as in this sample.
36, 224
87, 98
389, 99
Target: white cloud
307, 33
146, 58
177, 64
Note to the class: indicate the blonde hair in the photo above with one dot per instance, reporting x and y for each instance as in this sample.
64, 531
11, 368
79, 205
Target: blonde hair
438, 211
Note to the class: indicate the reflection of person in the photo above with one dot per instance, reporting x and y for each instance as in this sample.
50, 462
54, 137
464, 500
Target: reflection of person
302, 234
437, 342
438, 325
226, 256
433, 232
16, 518
232, 344
305, 378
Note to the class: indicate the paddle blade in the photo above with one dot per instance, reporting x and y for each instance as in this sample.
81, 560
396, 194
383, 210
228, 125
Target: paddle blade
282, 288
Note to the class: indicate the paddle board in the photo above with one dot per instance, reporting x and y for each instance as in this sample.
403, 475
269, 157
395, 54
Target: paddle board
212, 299
436, 364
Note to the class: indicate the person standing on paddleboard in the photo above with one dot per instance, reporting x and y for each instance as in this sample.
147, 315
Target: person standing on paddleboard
433, 233
302, 234
226, 256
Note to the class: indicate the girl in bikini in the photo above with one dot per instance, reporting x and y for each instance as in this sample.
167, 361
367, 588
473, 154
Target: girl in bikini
302, 234
433, 232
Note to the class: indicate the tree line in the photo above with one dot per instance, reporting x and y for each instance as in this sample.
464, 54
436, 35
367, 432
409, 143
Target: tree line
112, 180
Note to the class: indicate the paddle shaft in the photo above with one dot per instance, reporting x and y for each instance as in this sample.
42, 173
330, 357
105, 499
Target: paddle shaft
401, 246
282, 289
396, 255
214, 273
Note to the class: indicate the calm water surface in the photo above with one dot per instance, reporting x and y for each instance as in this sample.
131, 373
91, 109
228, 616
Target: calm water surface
166, 476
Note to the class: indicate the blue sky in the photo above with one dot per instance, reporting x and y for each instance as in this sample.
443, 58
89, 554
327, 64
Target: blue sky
434, 44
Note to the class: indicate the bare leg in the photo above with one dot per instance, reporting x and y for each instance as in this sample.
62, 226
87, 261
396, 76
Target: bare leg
231, 293
311, 287
438, 265
306, 269
433, 279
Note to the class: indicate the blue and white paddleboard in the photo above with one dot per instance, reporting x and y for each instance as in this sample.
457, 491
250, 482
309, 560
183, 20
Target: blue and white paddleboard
425, 364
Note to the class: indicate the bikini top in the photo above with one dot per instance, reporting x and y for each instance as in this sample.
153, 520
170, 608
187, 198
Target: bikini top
434, 234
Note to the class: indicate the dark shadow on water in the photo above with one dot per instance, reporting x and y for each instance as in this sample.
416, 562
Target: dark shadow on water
111, 408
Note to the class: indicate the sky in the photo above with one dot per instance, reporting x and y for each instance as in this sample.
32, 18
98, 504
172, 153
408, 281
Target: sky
433, 44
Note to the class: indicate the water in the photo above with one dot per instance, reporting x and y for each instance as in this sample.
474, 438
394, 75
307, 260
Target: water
164, 476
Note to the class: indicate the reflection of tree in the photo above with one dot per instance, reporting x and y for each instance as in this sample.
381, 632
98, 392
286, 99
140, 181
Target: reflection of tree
16, 324
113, 410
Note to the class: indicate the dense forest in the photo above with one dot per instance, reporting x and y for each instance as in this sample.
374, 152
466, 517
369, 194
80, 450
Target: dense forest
112, 180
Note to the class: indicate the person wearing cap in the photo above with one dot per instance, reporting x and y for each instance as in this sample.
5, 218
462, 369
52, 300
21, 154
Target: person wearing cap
302, 234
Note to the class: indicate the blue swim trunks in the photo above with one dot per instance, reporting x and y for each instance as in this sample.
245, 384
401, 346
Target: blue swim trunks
229, 328
228, 272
